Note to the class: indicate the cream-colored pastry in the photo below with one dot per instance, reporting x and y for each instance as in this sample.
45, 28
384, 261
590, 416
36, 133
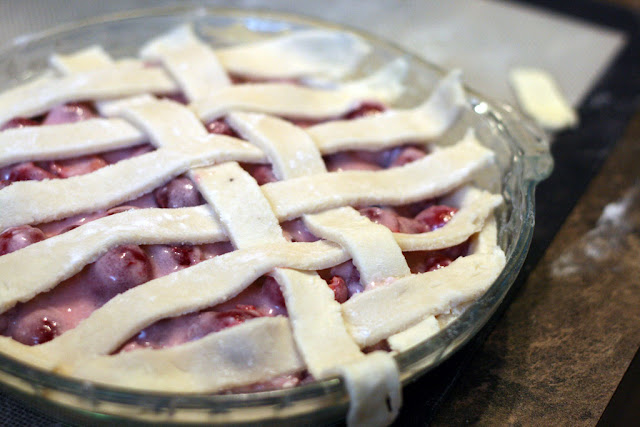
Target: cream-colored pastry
321, 334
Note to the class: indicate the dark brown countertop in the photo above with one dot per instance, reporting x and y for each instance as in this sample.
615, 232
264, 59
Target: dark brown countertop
565, 342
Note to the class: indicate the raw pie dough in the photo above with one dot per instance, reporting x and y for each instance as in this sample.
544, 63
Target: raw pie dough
320, 334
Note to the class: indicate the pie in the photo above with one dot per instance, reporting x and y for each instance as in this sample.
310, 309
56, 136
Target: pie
236, 219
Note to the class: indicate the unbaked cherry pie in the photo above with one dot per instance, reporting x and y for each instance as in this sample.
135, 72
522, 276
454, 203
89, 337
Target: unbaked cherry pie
236, 219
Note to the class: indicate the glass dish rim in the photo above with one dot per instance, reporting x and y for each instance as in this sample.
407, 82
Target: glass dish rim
534, 155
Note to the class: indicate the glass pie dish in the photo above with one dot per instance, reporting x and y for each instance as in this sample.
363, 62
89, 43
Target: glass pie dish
522, 160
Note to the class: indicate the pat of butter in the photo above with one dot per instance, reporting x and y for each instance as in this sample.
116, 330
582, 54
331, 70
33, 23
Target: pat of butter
540, 98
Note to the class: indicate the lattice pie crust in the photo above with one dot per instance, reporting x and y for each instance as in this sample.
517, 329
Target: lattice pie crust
319, 335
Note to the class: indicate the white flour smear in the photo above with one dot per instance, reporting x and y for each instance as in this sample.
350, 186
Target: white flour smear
605, 242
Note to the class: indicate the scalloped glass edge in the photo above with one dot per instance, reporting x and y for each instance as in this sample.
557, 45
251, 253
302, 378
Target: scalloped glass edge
522, 161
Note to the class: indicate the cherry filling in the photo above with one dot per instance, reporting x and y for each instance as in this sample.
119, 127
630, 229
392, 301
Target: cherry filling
343, 280
189, 327
118, 270
66, 168
221, 127
374, 160
70, 113
261, 298
125, 267
350, 160
263, 174
424, 261
178, 193
19, 122
429, 219
365, 109
15, 238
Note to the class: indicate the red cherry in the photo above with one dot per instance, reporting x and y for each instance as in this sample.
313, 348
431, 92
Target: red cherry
271, 290
4, 323
77, 166
263, 174
212, 321
411, 226
18, 122
382, 216
120, 269
339, 288
423, 261
235, 317
37, 330
28, 172
185, 255
456, 251
221, 127
178, 193
437, 262
296, 231
177, 97
69, 113
436, 216
15, 238
402, 155
352, 160
367, 108
348, 272
114, 156
119, 209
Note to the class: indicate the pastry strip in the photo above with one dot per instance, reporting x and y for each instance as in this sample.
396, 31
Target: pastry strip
50, 142
316, 320
203, 285
236, 198
315, 315
291, 151
484, 242
192, 64
168, 124
92, 58
322, 53
121, 79
390, 128
57, 258
474, 207
370, 318
30, 202
40, 266
375, 400
89, 59
431, 176
371, 246
417, 333
255, 351
288, 100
